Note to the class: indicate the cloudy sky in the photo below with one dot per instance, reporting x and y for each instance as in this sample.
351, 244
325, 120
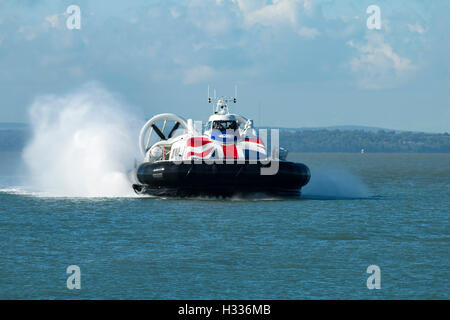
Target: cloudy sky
297, 63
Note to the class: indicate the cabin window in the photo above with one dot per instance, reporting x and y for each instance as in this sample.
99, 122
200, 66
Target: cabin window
225, 125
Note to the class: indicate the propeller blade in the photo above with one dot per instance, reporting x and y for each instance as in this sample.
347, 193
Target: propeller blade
158, 132
175, 127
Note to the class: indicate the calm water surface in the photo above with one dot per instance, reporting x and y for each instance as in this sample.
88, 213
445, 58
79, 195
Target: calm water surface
391, 210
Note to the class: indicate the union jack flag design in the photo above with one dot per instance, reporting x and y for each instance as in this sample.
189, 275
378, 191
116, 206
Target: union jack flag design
205, 148
199, 148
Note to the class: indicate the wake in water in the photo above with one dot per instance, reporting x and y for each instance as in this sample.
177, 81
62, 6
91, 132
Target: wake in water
82, 145
332, 184
325, 184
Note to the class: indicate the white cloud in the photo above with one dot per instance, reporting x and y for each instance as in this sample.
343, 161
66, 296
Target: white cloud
306, 32
198, 74
209, 17
278, 13
28, 32
377, 65
57, 20
416, 28
53, 20
249, 5
175, 13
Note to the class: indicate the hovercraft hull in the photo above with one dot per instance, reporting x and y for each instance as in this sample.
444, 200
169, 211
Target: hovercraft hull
190, 179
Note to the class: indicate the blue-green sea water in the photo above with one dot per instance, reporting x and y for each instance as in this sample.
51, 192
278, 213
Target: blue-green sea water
391, 210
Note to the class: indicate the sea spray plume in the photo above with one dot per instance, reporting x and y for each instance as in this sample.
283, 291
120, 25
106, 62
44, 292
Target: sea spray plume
82, 145
334, 184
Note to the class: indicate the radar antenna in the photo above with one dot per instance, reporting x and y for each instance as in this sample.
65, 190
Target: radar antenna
222, 102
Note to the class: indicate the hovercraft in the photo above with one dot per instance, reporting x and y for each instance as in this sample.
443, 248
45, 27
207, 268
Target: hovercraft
223, 159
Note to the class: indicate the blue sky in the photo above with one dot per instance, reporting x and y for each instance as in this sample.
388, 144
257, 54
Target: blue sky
297, 63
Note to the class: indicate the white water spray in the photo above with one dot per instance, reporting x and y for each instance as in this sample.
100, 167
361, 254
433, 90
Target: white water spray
333, 184
83, 145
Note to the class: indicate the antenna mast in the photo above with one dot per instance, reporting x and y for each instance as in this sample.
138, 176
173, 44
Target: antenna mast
221, 102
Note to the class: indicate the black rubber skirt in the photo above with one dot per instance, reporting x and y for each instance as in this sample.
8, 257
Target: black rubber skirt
221, 179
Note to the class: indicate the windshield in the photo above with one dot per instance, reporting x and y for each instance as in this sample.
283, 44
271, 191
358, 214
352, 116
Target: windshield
225, 125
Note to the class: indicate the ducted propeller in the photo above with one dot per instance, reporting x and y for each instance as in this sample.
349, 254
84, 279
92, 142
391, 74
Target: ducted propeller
150, 127
175, 127
158, 132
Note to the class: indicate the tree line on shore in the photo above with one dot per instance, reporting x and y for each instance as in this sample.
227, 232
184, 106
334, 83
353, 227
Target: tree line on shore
356, 140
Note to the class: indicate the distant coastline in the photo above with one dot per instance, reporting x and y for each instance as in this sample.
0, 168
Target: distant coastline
13, 136
356, 141
348, 139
